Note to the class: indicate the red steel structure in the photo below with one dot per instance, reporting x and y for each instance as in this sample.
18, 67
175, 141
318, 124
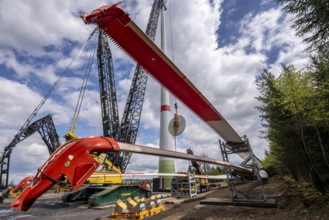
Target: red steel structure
117, 24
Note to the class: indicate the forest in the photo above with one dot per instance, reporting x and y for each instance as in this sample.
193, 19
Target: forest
294, 104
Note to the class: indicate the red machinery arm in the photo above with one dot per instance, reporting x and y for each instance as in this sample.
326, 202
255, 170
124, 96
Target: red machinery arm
24, 182
117, 24
72, 160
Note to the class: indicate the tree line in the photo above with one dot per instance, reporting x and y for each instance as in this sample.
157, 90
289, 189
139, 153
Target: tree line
294, 107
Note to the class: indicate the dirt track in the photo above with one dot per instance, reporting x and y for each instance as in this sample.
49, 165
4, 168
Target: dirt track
289, 207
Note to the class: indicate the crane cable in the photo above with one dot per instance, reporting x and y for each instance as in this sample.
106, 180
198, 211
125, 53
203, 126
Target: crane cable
71, 133
176, 121
175, 124
171, 33
54, 86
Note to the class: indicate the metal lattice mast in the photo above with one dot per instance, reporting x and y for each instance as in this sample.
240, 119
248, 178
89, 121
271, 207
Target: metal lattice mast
108, 98
48, 133
134, 105
46, 128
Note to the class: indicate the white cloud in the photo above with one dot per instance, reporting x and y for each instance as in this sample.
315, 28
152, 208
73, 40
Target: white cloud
37, 23
17, 101
8, 58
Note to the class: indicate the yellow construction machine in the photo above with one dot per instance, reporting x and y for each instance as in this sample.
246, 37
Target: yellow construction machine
100, 177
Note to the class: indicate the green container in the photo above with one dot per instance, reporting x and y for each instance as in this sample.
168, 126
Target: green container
113, 193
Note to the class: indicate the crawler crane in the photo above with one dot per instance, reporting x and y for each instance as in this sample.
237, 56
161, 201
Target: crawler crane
119, 27
127, 130
74, 160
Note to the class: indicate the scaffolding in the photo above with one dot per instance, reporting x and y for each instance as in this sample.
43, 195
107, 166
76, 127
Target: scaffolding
184, 187
235, 178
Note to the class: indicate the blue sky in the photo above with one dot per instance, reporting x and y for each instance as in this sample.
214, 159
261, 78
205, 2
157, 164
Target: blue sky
221, 45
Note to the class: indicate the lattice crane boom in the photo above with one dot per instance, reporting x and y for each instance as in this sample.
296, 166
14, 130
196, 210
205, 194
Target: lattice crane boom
108, 98
46, 128
132, 113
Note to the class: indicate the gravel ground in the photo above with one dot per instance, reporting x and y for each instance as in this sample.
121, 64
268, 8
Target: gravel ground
289, 207
51, 207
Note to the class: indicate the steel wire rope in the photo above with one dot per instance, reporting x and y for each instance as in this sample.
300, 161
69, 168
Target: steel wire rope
83, 89
171, 38
171, 35
173, 60
55, 85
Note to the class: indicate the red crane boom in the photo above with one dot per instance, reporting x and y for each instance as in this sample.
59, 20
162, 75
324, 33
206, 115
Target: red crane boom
117, 24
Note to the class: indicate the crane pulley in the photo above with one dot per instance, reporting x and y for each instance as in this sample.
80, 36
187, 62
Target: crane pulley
176, 125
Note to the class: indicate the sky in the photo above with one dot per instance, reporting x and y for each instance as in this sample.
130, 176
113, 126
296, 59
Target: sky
222, 46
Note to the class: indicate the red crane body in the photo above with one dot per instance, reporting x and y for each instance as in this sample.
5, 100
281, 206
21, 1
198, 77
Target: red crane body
24, 182
71, 160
